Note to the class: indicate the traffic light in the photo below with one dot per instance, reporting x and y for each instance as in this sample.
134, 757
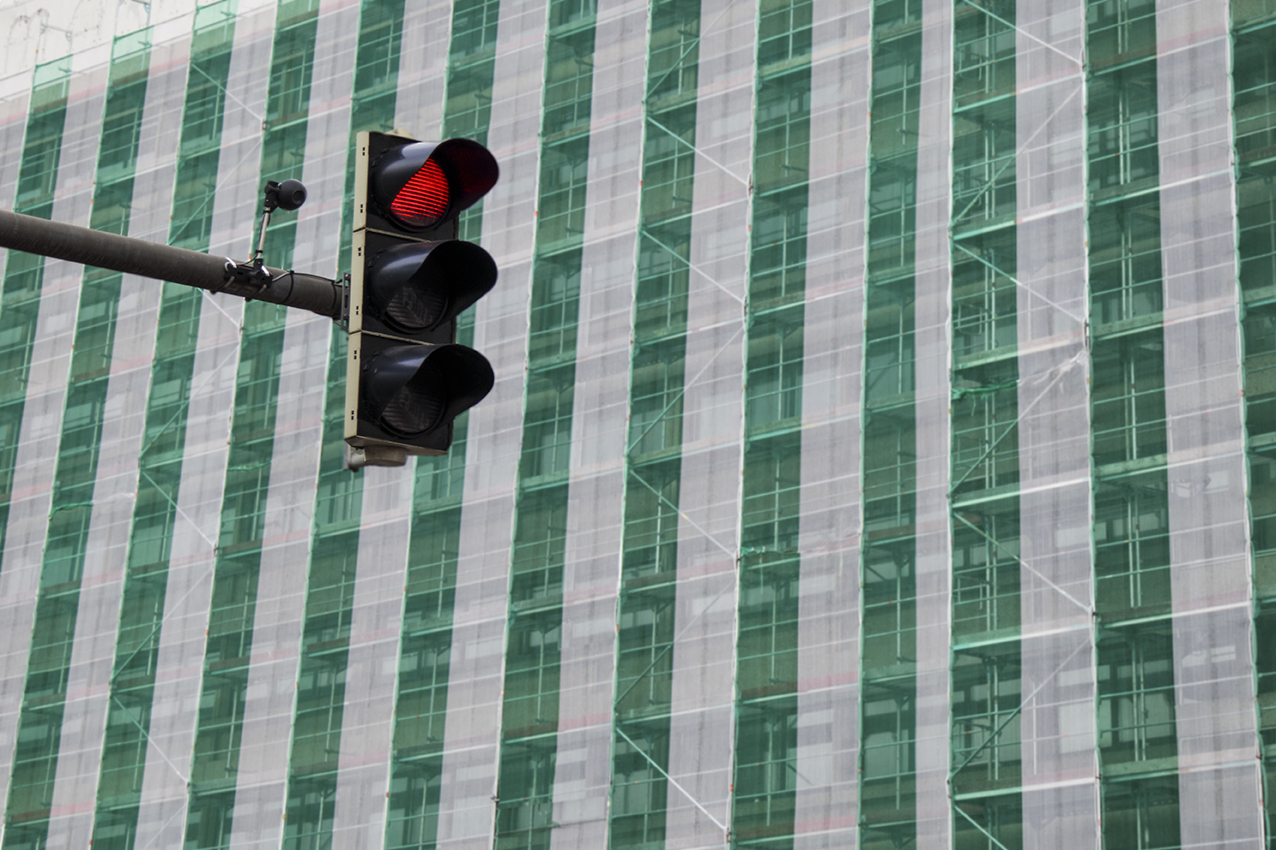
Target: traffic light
406, 377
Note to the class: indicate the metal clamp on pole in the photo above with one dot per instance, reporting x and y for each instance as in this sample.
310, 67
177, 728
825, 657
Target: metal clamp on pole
247, 279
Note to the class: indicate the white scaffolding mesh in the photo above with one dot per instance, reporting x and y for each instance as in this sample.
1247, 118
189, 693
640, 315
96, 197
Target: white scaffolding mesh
279, 610
123, 414
14, 607
826, 805
477, 658
1215, 723
701, 726
591, 571
376, 615
162, 811
33, 475
422, 68
933, 279
376, 620
1057, 724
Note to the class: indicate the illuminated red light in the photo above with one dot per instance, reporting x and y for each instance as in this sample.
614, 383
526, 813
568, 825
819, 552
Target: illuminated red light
424, 200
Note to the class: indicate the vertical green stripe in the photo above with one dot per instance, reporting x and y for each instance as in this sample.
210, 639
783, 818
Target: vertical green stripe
767, 670
215, 762
1137, 741
334, 550
1254, 113
888, 654
155, 519
424, 654
653, 461
56, 612
986, 680
24, 273
529, 720
376, 80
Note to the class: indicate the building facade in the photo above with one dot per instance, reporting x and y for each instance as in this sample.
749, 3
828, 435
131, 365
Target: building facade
882, 452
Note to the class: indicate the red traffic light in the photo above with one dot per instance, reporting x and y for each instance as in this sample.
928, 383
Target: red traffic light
419, 185
423, 201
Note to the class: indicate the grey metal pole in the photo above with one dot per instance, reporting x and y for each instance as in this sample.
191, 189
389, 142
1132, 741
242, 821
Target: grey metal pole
165, 262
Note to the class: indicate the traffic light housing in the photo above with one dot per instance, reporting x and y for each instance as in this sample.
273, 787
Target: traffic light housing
407, 379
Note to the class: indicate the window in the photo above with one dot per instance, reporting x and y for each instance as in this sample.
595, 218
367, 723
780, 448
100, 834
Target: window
783, 130
555, 308
765, 769
1128, 398
663, 278
778, 259
984, 162
888, 785
772, 478
644, 665
1132, 545
569, 76
985, 297
473, 27
774, 369
1115, 28
986, 567
986, 688
564, 167
1125, 261
784, 31
547, 427
639, 790
539, 539
655, 417
1136, 696
890, 611
1142, 814
673, 48
1122, 122
985, 431
983, 50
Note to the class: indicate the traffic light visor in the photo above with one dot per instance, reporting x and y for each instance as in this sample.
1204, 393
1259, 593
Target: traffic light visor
419, 286
410, 390
420, 184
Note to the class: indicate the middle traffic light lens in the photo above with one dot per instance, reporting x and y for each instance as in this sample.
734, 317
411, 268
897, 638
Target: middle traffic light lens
424, 199
412, 410
414, 309
419, 287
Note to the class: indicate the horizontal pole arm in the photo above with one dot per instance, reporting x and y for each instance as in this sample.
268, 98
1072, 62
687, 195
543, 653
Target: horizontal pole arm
164, 262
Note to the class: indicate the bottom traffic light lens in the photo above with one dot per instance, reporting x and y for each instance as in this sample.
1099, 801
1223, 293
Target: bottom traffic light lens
411, 411
412, 390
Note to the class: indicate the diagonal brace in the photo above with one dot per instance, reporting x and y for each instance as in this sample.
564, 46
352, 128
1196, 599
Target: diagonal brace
975, 824
1015, 713
1022, 563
